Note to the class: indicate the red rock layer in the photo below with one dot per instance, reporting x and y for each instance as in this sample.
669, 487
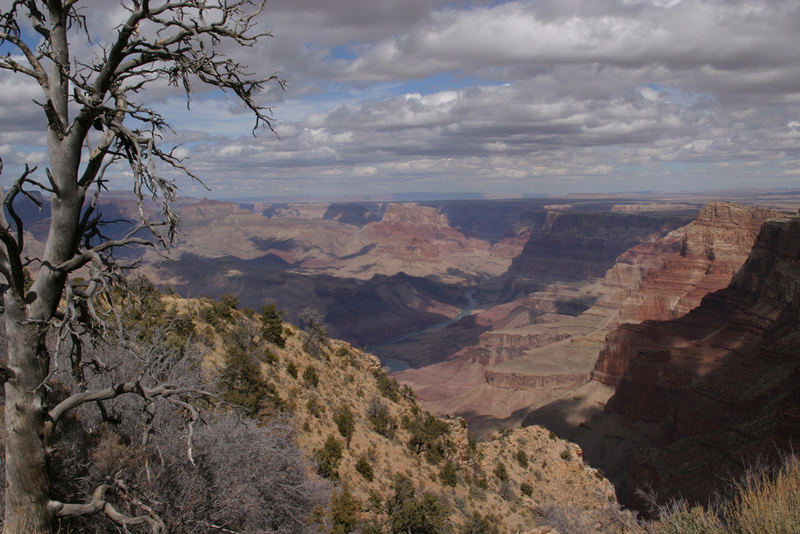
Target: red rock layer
717, 385
675, 273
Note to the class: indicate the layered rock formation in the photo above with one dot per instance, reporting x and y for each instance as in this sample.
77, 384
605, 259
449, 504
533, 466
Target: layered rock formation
374, 271
539, 348
665, 279
711, 390
358, 241
668, 278
532, 349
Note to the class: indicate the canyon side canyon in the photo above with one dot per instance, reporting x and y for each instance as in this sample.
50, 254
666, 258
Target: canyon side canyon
658, 334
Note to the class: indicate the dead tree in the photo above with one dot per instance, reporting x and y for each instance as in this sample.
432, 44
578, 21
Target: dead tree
96, 114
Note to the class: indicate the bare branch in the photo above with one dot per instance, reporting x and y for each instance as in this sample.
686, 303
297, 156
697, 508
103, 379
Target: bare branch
11, 261
10, 33
194, 416
93, 254
100, 504
162, 390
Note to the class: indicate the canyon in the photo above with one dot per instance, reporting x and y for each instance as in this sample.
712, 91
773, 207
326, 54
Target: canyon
700, 397
541, 348
659, 335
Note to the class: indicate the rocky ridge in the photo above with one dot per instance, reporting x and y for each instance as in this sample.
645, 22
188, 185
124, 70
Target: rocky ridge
409, 238
521, 480
711, 390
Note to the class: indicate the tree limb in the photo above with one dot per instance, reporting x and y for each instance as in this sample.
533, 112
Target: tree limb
134, 387
100, 504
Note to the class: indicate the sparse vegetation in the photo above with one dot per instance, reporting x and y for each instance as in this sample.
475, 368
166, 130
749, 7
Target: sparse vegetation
501, 472
311, 376
382, 421
388, 387
272, 324
291, 369
314, 407
448, 474
364, 468
344, 512
409, 513
480, 524
522, 458
345, 422
328, 457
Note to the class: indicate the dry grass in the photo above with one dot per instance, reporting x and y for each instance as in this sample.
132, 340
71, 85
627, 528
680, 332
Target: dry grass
768, 503
765, 502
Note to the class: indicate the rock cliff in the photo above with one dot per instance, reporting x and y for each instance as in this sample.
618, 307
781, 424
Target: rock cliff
538, 348
712, 389
667, 278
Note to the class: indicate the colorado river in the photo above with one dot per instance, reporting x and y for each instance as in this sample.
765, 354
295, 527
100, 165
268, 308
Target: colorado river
395, 364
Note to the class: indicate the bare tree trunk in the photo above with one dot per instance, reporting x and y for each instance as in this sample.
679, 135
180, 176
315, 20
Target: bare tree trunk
27, 486
100, 86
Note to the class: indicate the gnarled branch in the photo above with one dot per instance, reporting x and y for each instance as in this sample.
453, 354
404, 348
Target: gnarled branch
100, 504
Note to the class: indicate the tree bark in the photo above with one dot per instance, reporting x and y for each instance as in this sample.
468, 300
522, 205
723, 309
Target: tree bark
27, 486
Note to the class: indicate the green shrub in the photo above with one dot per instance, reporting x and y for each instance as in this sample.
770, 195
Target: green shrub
428, 434
272, 324
448, 474
310, 376
388, 387
328, 458
480, 524
373, 526
220, 311
344, 512
422, 515
526, 489
382, 421
566, 454
242, 384
314, 407
364, 468
500, 471
522, 458
270, 357
345, 422
291, 369
409, 394
409, 513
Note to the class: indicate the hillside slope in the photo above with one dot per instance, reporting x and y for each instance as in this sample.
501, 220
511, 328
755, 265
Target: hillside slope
514, 481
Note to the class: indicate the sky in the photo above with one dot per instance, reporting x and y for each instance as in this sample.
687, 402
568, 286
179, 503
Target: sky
501, 98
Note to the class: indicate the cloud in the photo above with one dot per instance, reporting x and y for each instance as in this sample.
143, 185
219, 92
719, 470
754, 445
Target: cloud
499, 97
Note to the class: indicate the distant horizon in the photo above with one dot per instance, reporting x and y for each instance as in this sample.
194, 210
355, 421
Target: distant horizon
421, 196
